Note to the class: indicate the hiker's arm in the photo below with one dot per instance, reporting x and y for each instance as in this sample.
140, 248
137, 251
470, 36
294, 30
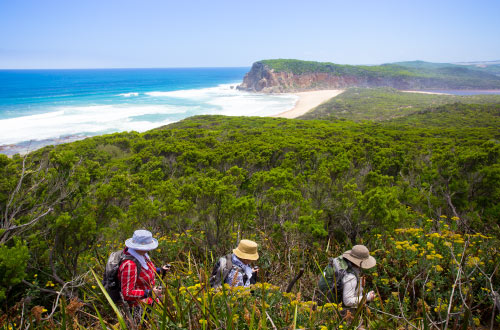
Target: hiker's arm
163, 269
255, 273
350, 294
128, 279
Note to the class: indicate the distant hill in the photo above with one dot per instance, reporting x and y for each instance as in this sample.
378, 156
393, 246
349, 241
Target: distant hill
381, 104
485, 66
288, 75
492, 67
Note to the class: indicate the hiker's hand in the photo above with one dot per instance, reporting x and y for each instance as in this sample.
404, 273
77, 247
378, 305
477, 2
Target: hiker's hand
255, 269
165, 269
370, 296
157, 292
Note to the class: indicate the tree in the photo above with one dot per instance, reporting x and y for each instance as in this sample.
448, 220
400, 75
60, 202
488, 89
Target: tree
39, 188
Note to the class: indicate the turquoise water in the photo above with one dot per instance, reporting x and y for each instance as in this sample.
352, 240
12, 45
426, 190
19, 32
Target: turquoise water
40, 107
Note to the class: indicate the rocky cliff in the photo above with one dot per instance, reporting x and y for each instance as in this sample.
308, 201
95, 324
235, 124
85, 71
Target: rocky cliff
266, 79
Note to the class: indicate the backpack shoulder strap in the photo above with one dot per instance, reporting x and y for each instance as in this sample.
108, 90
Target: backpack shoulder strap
229, 261
137, 263
228, 266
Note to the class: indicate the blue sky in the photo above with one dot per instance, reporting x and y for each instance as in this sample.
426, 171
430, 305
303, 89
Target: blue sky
165, 33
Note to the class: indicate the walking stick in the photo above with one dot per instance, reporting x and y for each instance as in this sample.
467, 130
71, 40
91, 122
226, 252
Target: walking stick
295, 279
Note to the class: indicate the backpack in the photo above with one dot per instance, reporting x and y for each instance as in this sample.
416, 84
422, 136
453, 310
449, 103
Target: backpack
221, 271
111, 280
330, 282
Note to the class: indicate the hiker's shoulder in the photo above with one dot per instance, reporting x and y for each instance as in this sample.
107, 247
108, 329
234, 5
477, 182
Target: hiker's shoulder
349, 277
128, 263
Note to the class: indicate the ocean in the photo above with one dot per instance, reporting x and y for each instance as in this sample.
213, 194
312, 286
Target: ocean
42, 107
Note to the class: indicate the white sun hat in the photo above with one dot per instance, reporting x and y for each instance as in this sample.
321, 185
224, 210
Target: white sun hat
142, 240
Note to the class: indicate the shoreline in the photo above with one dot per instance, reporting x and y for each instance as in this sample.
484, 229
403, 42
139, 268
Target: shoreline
424, 92
307, 101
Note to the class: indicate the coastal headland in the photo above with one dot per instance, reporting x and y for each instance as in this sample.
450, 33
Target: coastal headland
290, 76
315, 82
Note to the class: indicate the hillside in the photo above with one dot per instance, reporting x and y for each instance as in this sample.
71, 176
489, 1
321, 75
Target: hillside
286, 75
421, 191
487, 66
380, 104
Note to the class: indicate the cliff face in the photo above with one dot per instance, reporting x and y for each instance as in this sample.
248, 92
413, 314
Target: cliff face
262, 78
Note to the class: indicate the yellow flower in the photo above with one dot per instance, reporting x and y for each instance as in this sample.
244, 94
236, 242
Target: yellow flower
439, 268
472, 261
476, 321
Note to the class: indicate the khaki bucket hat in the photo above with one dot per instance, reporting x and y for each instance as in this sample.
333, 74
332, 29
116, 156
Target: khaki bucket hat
246, 250
360, 256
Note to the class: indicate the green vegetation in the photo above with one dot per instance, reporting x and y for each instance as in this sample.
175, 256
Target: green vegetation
421, 74
421, 191
380, 104
487, 66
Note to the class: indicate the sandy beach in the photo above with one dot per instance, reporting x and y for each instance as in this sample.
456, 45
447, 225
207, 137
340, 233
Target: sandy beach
308, 101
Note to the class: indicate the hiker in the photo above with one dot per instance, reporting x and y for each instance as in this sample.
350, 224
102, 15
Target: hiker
234, 269
137, 272
341, 281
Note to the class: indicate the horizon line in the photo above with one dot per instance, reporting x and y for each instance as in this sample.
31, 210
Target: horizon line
129, 68
493, 62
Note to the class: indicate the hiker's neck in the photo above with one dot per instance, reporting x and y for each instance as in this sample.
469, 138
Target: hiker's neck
142, 253
245, 261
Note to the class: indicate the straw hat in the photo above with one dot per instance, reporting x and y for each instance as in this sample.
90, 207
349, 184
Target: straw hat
142, 240
246, 250
360, 256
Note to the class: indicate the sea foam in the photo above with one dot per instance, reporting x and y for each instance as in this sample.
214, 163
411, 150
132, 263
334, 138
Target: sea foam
145, 111
86, 120
225, 99
128, 94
